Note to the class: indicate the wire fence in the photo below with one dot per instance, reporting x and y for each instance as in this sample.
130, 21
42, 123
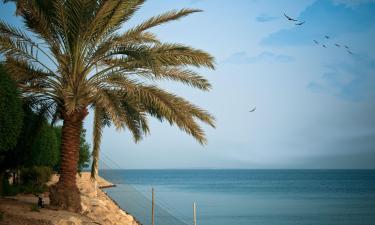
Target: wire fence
138, 202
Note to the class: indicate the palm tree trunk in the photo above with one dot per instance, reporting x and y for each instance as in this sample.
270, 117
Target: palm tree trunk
65, 194
97, 136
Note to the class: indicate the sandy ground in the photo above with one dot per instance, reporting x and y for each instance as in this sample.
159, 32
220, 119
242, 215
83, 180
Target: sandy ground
97, 207
16, 212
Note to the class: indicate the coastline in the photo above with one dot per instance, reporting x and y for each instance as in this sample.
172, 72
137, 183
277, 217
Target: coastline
97, 207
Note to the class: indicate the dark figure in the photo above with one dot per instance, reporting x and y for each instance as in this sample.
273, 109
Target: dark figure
326, 36
253, 109
299, 24
40, 202
289, 18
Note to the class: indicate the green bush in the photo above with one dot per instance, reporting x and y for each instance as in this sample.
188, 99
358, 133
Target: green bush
35, 175
11, 112
45, 149
9, 190
32, 188
84, 152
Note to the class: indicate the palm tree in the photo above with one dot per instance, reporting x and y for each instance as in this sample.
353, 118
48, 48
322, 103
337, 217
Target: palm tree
54, 64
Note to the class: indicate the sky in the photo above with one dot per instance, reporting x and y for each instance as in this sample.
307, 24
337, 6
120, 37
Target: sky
314, 105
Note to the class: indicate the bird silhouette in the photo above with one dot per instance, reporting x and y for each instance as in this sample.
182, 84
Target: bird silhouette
338, 45
351, 53
316, 42
346, 47
299, 24
290, 18
324, 46
326, 36
253, 110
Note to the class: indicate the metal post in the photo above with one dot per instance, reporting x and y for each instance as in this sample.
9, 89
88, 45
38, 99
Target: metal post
195, 214
153, 207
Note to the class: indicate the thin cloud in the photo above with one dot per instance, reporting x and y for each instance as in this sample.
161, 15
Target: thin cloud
352, 3
324, 17
262, 18
352, 81
264, 57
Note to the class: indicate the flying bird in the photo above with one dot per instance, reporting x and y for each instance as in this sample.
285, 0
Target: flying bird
253, 109
326, 36
351, 53
338, 45
299, 24
324, 46
346, 47
290, 18
316, 42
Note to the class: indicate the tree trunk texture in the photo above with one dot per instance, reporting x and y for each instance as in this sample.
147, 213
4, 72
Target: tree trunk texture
96, 142
65, 194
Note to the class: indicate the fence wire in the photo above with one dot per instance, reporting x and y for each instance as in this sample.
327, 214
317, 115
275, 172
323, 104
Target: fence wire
139, 204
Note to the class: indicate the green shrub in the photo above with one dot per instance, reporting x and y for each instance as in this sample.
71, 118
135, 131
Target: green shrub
11, 112
45, 149
84, 152
32, 188
35, 175
10, 190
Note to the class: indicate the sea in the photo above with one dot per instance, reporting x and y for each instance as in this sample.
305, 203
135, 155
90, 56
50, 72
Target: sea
246, 197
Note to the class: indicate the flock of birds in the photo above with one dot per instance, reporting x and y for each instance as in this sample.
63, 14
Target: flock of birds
336, 44
326, 37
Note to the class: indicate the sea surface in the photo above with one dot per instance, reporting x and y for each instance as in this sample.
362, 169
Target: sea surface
247, 197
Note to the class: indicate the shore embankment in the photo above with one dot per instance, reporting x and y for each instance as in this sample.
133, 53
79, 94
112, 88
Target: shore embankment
97, 207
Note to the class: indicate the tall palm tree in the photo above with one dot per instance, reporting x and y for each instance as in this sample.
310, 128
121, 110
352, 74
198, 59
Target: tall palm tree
54, 64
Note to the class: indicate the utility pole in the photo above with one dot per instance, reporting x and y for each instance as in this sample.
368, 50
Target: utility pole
195, 214
153, 208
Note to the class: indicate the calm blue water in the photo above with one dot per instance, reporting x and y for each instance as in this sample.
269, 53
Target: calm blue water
249, 197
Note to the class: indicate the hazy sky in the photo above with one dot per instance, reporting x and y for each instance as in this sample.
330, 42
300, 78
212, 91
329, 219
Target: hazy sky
315, 105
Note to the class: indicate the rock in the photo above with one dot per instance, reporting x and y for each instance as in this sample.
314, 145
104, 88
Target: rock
70, 221
97, 202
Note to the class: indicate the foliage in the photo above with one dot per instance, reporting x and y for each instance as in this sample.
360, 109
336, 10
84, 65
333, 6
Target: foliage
33, 181
37, 143
9, 190
84, 152
33, 188
36, 175
45, 149
10, 112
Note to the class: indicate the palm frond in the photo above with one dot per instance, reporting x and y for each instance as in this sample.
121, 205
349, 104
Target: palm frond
163, 18
164, 105
163, 55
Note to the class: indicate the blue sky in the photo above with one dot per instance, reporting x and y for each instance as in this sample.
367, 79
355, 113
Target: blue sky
315, 105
